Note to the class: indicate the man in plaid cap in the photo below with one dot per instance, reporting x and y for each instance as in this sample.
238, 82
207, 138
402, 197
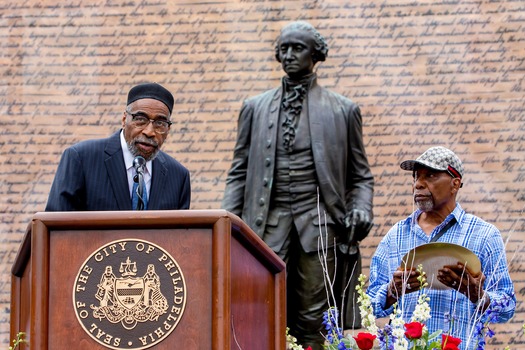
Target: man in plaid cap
456, 290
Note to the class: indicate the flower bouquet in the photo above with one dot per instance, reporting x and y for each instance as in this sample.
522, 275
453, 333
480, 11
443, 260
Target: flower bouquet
396, 335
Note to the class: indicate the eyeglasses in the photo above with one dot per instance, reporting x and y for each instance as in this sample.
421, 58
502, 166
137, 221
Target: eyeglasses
141, 122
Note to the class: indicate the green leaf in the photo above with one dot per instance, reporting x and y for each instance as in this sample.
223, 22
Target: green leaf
434, 345
435, 334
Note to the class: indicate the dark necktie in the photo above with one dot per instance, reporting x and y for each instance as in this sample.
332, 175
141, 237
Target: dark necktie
139, 192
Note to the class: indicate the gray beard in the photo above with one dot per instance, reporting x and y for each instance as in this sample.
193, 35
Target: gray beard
425, 205
135, 152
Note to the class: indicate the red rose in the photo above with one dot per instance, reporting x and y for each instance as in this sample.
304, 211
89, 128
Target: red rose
309, 348
414, 330
448, 342
365, 341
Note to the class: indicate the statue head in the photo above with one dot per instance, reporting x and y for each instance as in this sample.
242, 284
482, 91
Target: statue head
320, 47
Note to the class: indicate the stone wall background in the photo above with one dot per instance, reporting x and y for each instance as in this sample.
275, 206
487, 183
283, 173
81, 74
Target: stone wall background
425, 73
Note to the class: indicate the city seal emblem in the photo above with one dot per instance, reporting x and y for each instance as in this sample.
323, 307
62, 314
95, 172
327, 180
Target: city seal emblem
129, 294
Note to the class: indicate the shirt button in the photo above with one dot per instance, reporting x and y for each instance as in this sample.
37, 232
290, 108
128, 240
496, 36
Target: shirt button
258, 221
261, 202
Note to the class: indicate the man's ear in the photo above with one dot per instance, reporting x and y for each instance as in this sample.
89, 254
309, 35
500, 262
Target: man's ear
123, 120
456, 184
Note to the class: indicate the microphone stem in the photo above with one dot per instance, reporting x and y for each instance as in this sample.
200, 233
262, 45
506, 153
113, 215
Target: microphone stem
140, 188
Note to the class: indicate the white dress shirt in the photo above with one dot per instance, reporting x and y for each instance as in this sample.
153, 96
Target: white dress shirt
128, 161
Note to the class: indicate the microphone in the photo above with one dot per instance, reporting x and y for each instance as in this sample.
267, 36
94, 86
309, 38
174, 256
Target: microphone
138, 201
139, 163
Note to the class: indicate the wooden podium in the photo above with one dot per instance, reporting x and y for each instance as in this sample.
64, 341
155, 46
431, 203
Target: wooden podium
225, 288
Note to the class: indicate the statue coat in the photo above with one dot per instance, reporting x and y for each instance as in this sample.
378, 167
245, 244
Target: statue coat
343, 173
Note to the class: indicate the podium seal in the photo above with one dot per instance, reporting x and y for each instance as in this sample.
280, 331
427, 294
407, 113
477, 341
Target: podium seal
129, 294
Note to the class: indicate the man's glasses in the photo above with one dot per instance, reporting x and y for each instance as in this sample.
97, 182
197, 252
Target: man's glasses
141, 122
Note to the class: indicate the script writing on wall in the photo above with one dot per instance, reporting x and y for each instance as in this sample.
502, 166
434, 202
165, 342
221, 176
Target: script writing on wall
424, 73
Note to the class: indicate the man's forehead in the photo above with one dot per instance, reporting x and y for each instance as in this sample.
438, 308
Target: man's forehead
150, 106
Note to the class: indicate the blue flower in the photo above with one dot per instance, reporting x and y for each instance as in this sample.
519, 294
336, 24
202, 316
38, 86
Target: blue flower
334, 333
386, 339
482, 329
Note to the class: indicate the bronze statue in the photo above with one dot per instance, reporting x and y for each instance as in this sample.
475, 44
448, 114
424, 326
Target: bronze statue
296, 144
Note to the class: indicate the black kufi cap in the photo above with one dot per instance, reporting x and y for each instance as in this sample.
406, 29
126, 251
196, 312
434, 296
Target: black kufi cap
151, 90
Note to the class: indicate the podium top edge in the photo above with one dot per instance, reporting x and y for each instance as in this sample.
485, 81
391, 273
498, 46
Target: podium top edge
144, 219
130, 217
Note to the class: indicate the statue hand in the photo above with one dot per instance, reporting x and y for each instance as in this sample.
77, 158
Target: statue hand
358, 224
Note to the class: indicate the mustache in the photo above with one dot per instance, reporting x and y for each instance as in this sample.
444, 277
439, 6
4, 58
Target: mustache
422, 196
132, 147
145, 141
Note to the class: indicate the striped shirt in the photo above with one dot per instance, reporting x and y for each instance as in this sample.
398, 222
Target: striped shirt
469, 231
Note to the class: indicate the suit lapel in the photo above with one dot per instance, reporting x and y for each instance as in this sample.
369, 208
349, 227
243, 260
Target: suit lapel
273, 113
116, 170
317, 115
159, 179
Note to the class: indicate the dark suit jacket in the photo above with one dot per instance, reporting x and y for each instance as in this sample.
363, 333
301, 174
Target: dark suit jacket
343, 172
92, 176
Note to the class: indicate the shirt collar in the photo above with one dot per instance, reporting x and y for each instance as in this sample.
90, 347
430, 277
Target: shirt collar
305, 81
457, 213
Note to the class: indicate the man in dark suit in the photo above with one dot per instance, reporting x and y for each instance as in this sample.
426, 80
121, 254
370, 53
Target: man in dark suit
296, 144
99, 174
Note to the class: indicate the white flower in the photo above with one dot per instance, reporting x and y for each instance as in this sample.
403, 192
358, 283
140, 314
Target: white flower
398, 329
368, 319
422, 311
